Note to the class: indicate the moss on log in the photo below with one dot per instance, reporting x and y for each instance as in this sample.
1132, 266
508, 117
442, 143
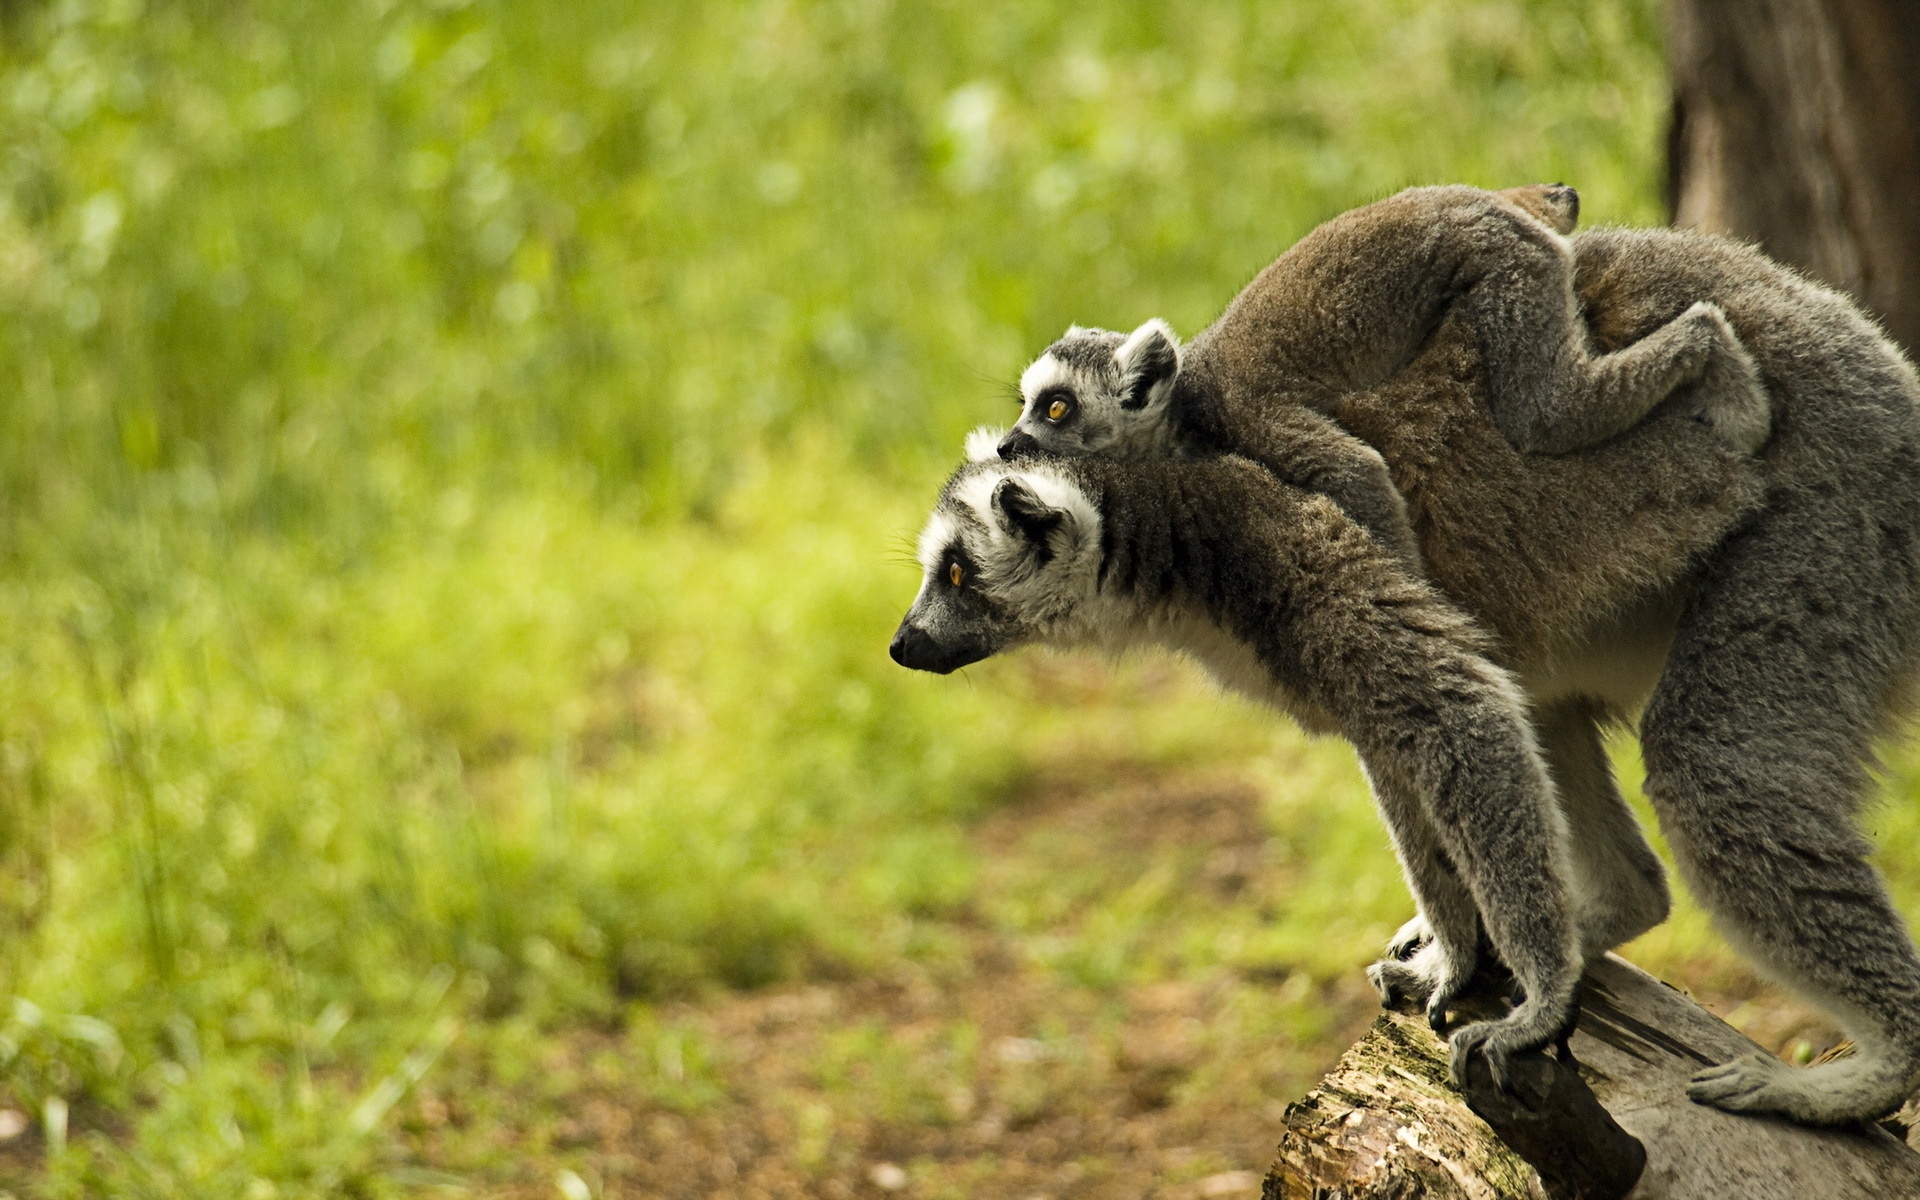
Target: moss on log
1388, 1124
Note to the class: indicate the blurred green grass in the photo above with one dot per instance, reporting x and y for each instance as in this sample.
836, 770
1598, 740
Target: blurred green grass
457, 471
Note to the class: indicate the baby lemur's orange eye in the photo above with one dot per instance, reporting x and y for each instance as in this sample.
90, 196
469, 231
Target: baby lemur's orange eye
1056, 410
956, 574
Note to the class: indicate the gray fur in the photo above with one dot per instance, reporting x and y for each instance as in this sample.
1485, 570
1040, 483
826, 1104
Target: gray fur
1795, 653
1296, 606
1349, 306
1762, 615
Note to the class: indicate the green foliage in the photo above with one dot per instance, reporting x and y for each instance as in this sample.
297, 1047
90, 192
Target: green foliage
303, 258
453, 490
527, 752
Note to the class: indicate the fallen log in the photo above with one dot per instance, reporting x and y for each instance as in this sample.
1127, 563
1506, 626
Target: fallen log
1388, 1124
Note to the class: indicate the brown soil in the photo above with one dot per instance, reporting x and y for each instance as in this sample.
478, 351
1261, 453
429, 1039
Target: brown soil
986, 1075
975, 1069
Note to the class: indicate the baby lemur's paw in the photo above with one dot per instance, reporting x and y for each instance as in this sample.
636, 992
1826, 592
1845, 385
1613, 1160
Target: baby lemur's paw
1860, 1088
1730, 395
1535, 1025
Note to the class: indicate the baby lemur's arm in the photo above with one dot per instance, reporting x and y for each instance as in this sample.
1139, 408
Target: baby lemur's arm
1310, 451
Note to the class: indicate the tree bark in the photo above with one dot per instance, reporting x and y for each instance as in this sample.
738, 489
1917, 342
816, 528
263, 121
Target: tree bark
1796, 124
1386, 1123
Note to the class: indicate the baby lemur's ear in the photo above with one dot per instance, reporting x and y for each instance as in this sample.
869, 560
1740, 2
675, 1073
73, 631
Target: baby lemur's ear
1025, 514
1150, 361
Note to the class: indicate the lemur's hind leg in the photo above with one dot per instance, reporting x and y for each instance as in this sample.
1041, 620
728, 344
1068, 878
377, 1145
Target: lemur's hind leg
1758, 744
1619, 886
1551, 394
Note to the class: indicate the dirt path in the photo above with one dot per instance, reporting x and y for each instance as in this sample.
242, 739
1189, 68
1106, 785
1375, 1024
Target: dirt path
984, 1072
986, 1068
1014, 1053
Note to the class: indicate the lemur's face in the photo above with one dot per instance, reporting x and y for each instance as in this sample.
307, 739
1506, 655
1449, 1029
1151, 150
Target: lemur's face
1098, 392
1010, 555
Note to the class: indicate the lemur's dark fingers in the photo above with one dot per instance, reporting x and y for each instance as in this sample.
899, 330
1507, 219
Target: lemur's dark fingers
1409, 939
1528, 1028
1398, 983
1440, 1006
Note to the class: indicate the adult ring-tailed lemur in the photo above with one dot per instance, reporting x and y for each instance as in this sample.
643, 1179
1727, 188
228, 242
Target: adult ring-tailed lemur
1756, 604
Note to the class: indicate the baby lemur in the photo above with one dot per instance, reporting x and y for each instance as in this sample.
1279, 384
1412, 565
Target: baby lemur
1760, 612
1348, 306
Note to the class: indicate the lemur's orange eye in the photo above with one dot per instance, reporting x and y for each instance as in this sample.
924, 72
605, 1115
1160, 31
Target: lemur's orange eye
1056, 410
956, 574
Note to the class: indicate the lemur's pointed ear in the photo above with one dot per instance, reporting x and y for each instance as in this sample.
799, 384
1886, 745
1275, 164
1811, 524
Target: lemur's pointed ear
1150, 360
1025, 513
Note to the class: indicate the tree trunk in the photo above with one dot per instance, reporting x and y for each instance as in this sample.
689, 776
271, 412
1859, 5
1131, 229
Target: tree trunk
1387, 1125
1796, 124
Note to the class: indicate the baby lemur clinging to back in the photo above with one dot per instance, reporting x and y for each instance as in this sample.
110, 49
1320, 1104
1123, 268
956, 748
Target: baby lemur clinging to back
1348, 306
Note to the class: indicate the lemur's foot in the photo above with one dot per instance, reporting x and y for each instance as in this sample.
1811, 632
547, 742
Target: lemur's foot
1534, 1025
1860, 1088
1398, 983
1730, 396
1429, 977
1410, 937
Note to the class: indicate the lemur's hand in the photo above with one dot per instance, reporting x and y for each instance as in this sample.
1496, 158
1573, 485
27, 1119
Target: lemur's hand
1539, 1022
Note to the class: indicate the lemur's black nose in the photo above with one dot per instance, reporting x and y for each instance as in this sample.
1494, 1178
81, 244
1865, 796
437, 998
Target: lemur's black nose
916, 649
913, 648
1018, 442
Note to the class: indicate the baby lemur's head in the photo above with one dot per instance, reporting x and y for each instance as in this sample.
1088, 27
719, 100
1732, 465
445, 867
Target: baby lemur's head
1099, 392
1554, 205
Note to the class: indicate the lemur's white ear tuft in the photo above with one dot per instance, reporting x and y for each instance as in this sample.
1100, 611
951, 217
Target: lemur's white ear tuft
1023, 512
1154, 337
1150, 359
983, 444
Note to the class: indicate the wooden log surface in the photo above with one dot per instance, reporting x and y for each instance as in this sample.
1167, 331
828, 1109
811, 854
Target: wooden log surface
1388, 1124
